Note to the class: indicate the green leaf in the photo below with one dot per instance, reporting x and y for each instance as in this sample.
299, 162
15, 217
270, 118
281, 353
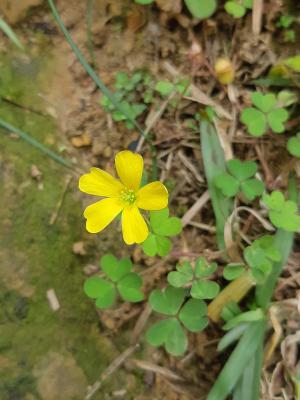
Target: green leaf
242, 169
230, 310
274, 201
248, 316
203, 269
170, 334
164, 88
204, 290
255, 120
264, 102
103, 291
129, 288
235, 9
233, 271
252, 188
193, 315
144, 2
155, 244
167, 301
293, 63
113, 268
228, 185
182, 276
277, 118
238, 361
232, 336
10, 34
201, 9
293, 145
164, 225
248, 4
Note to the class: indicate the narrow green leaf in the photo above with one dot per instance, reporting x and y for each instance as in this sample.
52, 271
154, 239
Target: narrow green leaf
232, 336
214, 165
237, 361
247, 316
10, 33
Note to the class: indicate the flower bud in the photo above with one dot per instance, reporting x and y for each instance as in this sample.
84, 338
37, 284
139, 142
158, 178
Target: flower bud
224, 71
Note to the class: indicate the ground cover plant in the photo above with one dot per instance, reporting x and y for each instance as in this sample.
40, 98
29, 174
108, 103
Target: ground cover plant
200, 192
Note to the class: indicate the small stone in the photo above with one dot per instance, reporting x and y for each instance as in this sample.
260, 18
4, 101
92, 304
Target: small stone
107, 152
83, 140
97, 148
78, 248
90, 269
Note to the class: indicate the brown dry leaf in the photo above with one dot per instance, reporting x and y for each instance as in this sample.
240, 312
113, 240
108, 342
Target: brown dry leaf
83, 140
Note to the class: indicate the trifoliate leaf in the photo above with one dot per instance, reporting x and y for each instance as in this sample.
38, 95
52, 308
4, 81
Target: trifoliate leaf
201, 9
182, 276
203, 269
242, 170
265, 103
193, 315
156, 244
204, 290
255, 120
274, 201
235, 9
170, 334
252, 188
115, 269
293, 145
129, 288
227, 184
233, 271
165, 88
103, 291
167, 301
277, 118
164, 225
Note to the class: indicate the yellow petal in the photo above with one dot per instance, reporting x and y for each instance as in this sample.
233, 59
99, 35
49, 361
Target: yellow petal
153, 196
100, 183
129, 167
134, 227
100, 214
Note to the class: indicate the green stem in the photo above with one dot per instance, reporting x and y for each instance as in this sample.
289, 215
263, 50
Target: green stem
10, 128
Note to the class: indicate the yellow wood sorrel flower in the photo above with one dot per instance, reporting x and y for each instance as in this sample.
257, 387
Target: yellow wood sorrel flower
122, 195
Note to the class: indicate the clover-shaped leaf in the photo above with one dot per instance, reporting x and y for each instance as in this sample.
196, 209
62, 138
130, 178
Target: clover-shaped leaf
162, 226
103, 291
260, 257
282, 213
204, 289
120, 280
237, 8
115, 269
129, 288
169, 333
233, 271
266, 114
193, 315
167, 301
203, 269
293, 145
182, 276
240, 179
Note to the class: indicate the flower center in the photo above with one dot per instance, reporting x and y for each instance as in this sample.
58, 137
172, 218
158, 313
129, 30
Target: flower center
128, 196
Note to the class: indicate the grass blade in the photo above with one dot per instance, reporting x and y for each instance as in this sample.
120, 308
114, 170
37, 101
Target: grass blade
214, 165
238, 360
10, 128
10, 33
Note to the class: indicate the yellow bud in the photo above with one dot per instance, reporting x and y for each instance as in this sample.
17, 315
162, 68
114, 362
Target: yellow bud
224, 71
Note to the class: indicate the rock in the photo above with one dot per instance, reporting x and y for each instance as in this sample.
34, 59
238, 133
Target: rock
83, 140
16, 10
79, 248
59, 378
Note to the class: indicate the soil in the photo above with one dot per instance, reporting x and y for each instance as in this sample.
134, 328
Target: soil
56, 355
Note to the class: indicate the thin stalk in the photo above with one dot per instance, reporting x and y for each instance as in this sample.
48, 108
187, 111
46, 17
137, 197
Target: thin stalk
10, 128
104, 89
89, 23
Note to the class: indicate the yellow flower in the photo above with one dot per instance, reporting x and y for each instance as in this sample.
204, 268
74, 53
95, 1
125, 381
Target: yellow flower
122, 195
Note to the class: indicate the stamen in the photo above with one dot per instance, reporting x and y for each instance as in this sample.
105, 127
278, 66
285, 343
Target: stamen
128, 196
